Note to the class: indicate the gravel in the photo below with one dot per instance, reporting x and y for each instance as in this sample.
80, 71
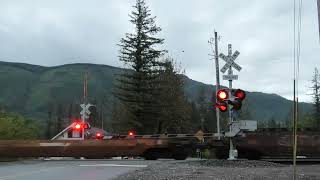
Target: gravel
235, 164
221, 169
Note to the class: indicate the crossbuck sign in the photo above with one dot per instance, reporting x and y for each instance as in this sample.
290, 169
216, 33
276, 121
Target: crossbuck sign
230, 64
85, 109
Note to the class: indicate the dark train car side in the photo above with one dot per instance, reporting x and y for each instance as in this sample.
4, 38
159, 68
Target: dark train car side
277, 143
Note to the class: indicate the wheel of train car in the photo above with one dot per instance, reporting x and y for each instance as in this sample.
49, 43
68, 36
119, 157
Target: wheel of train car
150, 155
180, 156
254, 155
249, 154
221, 153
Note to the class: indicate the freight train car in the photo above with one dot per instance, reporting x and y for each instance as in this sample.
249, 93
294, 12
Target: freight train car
150, 148
274, 143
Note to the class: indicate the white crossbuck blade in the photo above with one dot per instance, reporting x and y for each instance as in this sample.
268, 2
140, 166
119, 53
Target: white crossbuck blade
85, 108
230, 61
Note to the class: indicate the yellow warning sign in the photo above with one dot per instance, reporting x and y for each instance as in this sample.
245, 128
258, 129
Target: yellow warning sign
199, 135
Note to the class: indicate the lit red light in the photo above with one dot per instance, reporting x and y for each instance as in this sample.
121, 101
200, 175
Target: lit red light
77, 126
99, 135
240, 94
130, 133
222, 94
85, 126
222, 106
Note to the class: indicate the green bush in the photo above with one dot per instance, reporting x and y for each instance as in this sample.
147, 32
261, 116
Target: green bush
14, 126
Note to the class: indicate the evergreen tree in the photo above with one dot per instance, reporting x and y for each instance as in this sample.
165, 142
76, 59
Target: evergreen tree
288, 120
119, 118
174, 116
196, 117
49, 123
272, 123
316, 97
93, 117
138, 89
59, 121
70, 112
203, 106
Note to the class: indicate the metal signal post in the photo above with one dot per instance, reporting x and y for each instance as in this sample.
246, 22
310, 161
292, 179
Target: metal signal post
228, 66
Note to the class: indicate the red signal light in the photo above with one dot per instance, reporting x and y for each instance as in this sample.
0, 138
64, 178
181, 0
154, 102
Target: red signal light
77, 126
131, 133
240, 94
85, 125
222, 94
222, 106
99, 135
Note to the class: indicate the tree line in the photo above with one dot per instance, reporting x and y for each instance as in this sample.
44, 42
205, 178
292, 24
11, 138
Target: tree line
15, 126
306, 120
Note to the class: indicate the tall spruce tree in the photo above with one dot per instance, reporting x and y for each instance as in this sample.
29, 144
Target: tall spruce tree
316, 97
138, 89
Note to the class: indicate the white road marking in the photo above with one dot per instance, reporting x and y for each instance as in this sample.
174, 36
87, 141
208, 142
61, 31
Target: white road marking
112, 165
20, 174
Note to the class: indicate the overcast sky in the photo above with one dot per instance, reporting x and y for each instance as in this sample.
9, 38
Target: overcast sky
58, 32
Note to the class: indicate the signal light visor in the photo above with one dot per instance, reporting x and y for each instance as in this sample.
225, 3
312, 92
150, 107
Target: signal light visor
240, 94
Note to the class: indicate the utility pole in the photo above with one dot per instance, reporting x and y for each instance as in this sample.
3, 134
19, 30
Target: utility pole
85, 94
295, 104
318, 4
216, 57
217, 80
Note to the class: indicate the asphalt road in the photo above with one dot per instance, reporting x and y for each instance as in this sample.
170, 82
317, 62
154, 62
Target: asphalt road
69, 169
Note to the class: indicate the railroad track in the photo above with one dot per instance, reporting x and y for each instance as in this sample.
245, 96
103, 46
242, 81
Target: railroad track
290, 161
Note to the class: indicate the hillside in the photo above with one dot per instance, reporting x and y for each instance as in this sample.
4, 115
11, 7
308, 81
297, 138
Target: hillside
30, 89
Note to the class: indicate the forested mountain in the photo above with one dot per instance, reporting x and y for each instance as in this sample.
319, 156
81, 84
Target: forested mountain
43, 93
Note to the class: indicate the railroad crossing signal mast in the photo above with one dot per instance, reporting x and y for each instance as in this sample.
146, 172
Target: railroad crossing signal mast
233, 153
231, 99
